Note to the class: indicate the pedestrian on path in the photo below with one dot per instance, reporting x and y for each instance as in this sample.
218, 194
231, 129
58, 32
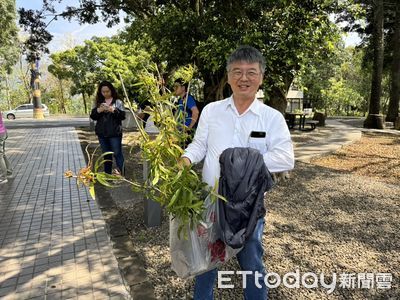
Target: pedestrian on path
5, 167
109, 113
188, 109
186, 104
241, 121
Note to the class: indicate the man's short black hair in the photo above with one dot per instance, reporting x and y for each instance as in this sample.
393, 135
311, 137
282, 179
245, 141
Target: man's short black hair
248, 54
181, 82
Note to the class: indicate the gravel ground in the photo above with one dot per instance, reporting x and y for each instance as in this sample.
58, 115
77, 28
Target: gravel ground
339, 214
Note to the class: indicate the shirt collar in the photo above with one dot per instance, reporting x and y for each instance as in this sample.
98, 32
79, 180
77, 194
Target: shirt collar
254, 107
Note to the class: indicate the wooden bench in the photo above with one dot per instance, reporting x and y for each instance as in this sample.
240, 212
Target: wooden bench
312, 123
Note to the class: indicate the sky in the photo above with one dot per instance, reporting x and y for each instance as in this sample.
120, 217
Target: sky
351, 39
69, 34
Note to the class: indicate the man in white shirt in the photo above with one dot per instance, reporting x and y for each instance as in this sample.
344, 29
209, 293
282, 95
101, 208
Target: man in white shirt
241, 121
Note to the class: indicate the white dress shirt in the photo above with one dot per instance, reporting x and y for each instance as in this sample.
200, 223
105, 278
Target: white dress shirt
221, 127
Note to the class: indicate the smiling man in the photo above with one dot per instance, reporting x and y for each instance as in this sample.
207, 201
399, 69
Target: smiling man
241, 121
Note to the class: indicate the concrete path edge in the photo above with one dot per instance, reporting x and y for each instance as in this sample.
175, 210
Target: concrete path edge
130, 263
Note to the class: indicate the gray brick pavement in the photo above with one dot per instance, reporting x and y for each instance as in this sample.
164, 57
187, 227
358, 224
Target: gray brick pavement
53, 243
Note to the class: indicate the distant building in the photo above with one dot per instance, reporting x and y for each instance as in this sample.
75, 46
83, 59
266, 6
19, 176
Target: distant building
260, 95
294, 99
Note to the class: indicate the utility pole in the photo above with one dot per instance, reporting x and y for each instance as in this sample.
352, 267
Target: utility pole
35, 86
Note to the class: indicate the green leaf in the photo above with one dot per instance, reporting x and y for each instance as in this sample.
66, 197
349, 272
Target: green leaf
100, 161
175, 197
156, 177
91, 192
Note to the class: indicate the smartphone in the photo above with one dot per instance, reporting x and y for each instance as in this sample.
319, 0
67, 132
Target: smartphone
258, 134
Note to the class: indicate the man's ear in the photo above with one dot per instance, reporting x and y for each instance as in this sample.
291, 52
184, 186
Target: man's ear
261, 82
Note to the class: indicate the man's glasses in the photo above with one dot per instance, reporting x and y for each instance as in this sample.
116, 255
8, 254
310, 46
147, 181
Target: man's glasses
237, 74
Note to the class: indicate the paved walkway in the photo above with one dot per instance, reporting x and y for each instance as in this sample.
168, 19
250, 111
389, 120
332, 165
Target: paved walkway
341, 134
53, 242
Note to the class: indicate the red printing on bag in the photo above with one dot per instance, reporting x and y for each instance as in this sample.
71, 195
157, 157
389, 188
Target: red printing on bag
201, 230
217, 250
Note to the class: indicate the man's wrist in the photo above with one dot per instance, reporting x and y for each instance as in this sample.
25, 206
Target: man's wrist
186, 160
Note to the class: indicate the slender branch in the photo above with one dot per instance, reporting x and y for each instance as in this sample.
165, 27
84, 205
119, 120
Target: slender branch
140, 126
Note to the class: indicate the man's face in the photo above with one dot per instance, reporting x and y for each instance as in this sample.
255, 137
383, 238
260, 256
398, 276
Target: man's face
244, 79
179, 90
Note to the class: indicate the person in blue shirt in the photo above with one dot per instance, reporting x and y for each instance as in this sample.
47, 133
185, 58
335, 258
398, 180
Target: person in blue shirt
187, 106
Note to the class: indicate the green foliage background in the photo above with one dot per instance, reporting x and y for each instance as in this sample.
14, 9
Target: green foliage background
298, 38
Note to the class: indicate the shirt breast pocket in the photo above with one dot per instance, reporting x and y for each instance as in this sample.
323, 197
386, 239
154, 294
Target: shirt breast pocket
259, 143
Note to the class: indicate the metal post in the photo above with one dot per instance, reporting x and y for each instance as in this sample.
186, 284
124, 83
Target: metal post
91, 124
152, 209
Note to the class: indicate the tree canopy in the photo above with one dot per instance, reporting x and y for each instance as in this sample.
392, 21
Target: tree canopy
8, 35
288, 32
339, 84
101, 59
380, 31
32, 21
298, 39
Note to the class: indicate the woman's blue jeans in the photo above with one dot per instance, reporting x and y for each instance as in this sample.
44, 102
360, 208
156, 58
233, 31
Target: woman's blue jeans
112, 144
250, 258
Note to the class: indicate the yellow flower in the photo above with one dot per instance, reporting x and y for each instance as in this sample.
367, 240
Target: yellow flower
86, 176
68, 174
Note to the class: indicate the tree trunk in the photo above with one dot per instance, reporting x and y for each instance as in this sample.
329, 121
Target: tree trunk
215, 87
24, 79
393, 110
62, 106
372, 120
35, 85
278, 100
223, 90
84, 102
209, 89
277, 96
8, 92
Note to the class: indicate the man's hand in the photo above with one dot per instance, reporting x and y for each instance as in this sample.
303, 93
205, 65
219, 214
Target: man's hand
184, 162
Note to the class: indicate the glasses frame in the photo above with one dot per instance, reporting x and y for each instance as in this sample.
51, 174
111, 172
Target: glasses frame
250, 74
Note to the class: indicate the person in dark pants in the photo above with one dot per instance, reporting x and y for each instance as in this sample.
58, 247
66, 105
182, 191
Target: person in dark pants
109, 113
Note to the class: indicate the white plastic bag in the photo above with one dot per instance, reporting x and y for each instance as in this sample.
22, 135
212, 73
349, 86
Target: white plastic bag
203, 250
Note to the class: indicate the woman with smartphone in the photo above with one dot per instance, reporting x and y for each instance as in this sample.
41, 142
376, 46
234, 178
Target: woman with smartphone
109, 113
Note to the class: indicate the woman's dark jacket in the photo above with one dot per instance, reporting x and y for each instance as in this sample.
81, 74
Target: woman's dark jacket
243, 181
109, 124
